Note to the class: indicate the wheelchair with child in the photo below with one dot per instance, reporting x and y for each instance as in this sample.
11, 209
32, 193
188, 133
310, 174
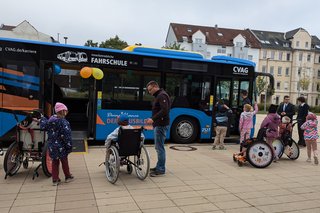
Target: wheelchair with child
256, 151
129, 143
29, 145
285, 144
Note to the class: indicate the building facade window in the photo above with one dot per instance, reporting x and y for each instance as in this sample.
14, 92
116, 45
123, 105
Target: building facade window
222, 50
278, 84
272, 70
300, 56
264, 54
287, 71
279, 71
299, 71
288, 56
280, 56
250, 57
318, 74
272, 55
239, 44
264, 68
319, 59
307, 45
297, 43
184, 38
309, 57
277, 99
286, 85
198, 41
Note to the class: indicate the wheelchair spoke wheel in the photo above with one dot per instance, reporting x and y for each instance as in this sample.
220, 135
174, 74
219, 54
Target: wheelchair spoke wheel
294, 152
278, 147
46, 161
259, 154
112, 164
13, 159
142, 163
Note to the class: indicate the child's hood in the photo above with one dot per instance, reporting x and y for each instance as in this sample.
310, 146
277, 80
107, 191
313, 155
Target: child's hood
53, 118
247, 114
273, 117
312, 123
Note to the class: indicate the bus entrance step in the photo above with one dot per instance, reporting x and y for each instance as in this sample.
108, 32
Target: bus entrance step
79, 145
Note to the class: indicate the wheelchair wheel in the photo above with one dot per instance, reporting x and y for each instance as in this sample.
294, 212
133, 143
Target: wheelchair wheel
295, 151
25, 163
112, 164
142, 163
278, 147
13, 159
129, 169
46, 161
259, 154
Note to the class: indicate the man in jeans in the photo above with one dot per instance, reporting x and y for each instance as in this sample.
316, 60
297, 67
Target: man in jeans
160, 121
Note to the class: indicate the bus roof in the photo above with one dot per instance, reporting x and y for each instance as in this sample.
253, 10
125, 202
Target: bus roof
144, 51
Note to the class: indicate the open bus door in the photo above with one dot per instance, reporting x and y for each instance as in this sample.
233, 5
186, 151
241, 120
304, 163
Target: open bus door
77, 93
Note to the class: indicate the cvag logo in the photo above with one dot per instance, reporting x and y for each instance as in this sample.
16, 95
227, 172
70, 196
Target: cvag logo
240, 70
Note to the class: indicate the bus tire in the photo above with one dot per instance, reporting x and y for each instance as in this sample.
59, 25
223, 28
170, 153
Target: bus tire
184, 130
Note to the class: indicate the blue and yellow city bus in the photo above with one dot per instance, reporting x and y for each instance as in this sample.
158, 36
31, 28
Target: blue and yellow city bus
36, 75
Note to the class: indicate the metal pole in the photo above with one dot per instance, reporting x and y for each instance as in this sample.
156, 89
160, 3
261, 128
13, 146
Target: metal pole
265, 93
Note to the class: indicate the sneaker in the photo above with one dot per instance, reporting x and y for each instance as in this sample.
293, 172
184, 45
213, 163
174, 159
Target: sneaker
222, 148
69, 179
316, 161
153, 169
156, 173
56, 182
308, 160
214, 147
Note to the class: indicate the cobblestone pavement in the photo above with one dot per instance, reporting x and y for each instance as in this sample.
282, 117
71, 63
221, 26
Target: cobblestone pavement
204, 180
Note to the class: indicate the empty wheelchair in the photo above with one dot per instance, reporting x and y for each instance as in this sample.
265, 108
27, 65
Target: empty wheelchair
286, 145
29, 145
256, 151
129, 143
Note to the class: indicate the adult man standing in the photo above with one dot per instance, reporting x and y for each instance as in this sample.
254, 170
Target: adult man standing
303, 110
286, 108
160, 120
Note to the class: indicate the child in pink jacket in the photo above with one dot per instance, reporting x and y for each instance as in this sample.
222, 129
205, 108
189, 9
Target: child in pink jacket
246, 123
271, 122
310, 136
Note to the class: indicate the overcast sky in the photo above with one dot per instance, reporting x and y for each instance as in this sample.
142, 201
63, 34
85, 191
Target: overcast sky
147, 21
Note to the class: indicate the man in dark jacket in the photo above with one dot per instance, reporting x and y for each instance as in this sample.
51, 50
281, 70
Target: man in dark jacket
303, 110
160, 120
286, 108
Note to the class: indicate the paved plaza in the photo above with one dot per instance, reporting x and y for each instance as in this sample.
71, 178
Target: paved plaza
204, 180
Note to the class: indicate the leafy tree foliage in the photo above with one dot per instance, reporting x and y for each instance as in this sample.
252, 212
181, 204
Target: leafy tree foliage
174, 46
113, 43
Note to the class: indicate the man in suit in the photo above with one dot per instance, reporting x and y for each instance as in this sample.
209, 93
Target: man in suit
286, 108
303, 110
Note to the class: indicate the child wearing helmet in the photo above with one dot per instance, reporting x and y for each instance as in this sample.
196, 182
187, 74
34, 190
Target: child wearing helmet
310, 134
123, 122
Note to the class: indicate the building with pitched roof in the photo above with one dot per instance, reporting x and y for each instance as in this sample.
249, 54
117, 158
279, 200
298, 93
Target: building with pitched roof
24, 30
211, 41
293, 58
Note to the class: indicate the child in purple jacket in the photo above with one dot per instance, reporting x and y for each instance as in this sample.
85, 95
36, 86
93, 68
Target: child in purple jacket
271, 122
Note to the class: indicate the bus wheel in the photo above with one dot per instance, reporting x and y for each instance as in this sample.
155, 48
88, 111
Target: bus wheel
184, 130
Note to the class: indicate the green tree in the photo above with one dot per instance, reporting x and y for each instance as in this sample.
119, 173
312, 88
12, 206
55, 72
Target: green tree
304, 83
261, 85
174, 46
90, 43
114, 43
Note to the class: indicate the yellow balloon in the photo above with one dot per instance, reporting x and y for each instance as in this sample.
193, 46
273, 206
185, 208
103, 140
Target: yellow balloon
86, 72
97, 73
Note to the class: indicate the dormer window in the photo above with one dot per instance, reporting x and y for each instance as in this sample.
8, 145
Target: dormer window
198, 41
220, 34
307, 45
184, 38
297, 43
189, 30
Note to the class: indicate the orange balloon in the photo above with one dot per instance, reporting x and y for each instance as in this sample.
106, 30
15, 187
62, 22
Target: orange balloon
86, 72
